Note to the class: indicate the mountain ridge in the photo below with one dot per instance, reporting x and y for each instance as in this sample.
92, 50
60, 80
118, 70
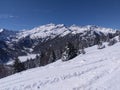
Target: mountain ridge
19, 42
51, 28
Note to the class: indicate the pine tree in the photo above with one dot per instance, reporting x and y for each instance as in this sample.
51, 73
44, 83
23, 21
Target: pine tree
65, 54
18, 66
37, 61
108, 38
70, 52
52, 57
81, 49
42, 59
112, 42
119, 38
27, 66
100, 45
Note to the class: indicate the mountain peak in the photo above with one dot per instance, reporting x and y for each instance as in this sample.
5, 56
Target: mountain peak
53, 30
1, 30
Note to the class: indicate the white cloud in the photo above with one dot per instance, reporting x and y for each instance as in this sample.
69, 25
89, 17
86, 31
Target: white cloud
6, 16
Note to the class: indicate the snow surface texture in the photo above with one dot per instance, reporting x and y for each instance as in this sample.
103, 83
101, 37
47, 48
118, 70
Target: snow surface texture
96, 70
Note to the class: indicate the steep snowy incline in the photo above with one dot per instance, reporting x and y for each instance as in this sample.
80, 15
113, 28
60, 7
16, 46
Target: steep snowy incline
96, 70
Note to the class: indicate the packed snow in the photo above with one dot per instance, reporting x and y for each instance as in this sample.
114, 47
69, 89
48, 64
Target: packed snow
98, 69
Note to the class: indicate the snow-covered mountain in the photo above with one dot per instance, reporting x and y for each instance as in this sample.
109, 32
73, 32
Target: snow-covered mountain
39, 38
53, 30
7, 35
98, 69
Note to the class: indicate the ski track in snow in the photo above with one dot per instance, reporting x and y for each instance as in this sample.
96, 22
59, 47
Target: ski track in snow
92, 71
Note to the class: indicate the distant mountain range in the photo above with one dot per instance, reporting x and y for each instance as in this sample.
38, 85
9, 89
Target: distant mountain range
18, 43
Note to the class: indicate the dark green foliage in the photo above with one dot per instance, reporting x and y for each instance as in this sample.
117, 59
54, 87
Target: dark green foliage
43, 59
119, 38
70, 52
112, 42
5, 70
101, 46
52, 57
18, 66
81, 51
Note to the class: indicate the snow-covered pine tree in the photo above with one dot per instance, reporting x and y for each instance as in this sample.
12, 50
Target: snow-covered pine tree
100, 45
81, 51
52, 57
108, 38
37, 61
119, 38
65, 54
70, 52
43, 58
26, 64
112, 42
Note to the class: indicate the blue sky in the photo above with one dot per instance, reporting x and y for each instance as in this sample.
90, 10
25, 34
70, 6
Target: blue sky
26, 14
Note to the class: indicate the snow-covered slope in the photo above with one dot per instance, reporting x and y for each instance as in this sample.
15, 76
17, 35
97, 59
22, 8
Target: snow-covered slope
96, 70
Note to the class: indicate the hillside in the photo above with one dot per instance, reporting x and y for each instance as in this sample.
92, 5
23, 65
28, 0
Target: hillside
98, 69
